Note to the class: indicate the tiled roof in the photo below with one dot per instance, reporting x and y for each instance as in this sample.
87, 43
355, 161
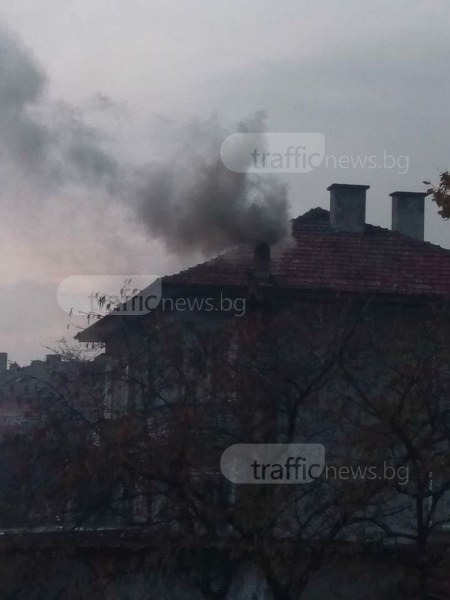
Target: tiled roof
318, 257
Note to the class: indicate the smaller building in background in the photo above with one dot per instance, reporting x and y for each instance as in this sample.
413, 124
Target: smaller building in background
56, 384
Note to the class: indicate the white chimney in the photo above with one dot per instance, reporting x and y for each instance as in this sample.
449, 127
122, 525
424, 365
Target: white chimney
348, 207
408, 213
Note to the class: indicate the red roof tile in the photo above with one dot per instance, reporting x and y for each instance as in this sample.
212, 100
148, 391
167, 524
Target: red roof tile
318, 257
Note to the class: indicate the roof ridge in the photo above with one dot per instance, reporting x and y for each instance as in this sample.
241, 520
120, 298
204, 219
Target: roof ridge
207, 261
310, 217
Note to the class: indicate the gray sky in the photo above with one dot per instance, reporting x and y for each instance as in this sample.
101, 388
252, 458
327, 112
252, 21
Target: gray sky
122, 82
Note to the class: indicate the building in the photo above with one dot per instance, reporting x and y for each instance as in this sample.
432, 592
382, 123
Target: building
29, 394
338, 335
332, 256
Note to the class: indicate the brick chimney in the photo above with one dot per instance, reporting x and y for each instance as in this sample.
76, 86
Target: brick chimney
348, 207
261, 263
3, 361
408, 213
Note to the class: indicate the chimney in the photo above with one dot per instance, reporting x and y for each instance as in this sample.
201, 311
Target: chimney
348, 207
52, 360
3, 361
261, 263
408, 210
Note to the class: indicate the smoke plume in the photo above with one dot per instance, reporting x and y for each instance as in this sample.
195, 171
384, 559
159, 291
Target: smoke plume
51, 144
193, 202
189, 200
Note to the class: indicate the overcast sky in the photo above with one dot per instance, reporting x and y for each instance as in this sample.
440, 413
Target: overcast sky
122, 82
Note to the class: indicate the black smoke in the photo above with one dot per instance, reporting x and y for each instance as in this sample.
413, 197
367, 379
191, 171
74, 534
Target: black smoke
50, 144
190, 200
193, 202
